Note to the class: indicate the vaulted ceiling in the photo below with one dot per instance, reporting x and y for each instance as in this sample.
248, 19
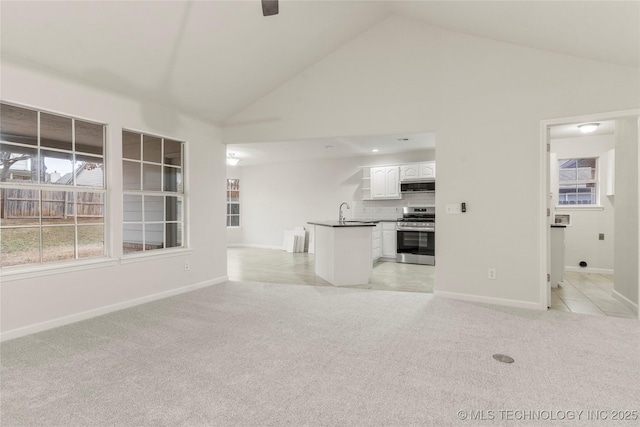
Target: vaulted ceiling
212, 59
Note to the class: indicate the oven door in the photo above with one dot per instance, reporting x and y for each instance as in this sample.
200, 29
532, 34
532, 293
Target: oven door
416, 246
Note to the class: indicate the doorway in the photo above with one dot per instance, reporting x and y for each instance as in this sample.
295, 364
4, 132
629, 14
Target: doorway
281, 186
579, 197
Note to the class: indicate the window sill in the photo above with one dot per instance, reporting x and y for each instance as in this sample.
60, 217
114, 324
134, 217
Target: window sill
234, 227
152, 255
579, 208
27, 272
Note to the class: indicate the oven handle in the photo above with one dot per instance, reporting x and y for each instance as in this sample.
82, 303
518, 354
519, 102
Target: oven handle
432, 229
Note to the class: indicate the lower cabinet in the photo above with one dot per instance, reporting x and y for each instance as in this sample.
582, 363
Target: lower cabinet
389, 240
376, 242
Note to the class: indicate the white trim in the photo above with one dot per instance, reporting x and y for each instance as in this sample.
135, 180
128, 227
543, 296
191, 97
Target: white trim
27, 272
624, 300
544, 230
54, 112
153, 255
73, 318
579, 208
588, 270
492, 300
250, 245
592, 117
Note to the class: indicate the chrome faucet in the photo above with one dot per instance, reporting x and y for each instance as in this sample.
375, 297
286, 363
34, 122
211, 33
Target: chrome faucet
341, 217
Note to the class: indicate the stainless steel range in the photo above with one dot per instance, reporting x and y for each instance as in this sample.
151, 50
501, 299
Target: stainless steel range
417, 235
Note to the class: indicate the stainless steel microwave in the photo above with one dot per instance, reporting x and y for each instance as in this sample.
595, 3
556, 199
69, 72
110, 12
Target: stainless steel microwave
418, 187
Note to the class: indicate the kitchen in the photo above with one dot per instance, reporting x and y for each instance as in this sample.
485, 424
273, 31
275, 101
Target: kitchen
287, 184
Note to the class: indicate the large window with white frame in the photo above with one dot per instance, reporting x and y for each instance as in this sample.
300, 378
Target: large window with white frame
578, 182
52, 187
153, 192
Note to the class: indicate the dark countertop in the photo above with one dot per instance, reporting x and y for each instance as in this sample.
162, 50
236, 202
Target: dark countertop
343, 223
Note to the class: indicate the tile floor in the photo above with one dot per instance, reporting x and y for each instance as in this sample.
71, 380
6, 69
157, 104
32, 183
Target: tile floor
579, 293
588, 293
276, 266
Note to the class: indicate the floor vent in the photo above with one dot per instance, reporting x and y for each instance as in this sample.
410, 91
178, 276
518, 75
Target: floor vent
503, 358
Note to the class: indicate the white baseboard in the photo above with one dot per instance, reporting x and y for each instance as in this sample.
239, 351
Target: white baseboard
73, 318
491, 300
624, 300
249, 245
589, 270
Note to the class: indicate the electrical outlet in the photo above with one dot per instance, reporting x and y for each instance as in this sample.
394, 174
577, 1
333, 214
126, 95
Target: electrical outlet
187, 266
491, 274
453, 208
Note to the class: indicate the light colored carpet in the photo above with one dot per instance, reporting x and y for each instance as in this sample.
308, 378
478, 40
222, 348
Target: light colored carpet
253, 354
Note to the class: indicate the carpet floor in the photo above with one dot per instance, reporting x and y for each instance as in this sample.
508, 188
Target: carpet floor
254, 354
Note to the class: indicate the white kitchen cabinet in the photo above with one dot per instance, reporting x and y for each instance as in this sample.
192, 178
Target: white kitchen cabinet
376, 242
385, 182
389, 240
418, 171
427, 170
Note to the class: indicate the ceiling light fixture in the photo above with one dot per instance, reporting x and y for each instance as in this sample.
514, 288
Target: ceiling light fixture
588, 127
232, 160
328, 147
375, 150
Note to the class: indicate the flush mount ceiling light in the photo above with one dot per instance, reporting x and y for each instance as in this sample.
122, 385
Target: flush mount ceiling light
375, 150
588, 127
232, 160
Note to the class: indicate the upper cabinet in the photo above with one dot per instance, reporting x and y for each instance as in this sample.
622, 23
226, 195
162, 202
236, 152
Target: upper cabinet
385, 182
418, 171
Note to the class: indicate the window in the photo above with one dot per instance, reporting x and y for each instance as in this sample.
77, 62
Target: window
52, 187
153, 191
233, 203
578, 182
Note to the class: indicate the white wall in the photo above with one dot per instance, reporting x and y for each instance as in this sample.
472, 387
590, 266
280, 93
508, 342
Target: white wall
485, 101
33, 303
278, 197
582, 237
627, 254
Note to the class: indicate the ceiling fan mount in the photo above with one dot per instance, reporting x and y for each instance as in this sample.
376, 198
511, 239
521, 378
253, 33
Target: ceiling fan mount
269, 7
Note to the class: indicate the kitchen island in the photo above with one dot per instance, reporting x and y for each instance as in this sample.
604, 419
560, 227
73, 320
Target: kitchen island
343, 251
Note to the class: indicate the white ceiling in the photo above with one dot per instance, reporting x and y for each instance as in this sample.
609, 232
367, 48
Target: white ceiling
572, 130
212, 59
329, 148
606, 31
208, 58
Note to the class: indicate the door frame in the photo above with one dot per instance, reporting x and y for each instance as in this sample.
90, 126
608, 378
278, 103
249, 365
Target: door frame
544, 182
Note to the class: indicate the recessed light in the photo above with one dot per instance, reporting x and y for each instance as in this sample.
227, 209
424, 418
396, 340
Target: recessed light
375, 150
328, 147
588, 127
